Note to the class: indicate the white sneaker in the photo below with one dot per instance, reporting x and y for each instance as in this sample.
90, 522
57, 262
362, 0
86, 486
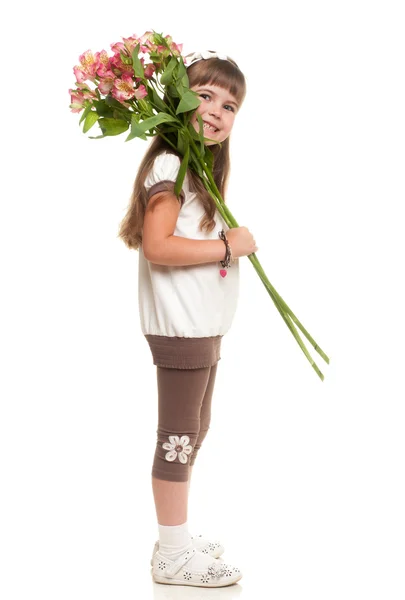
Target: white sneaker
214, 549
212, 573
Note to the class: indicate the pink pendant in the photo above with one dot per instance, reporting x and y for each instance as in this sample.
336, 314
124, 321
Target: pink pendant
223, 273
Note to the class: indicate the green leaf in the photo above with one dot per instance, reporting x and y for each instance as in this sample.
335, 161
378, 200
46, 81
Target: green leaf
91, 118
159, 39
154, 56
85, 113
158, 101
167, 129
138, 67
171, 91
102, 109
183, 169
112, 109
135, 132
181, 90
125, 58
121, 115
195, 164
194, 134
209, 158
190, 101
167, 75
112, 126
151, 122
111, 101
185, 82
201, 124
181, 71
180, 144
139, 129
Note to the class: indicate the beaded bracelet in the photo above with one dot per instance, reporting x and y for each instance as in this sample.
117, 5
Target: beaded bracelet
228, 255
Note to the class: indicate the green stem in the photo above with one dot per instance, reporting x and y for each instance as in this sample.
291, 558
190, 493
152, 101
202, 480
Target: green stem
259, 269
173, 110
281, 306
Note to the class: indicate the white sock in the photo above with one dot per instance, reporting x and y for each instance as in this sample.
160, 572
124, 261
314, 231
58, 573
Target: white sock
174, 540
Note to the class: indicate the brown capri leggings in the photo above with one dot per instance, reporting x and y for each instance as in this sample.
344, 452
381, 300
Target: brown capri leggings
184, 415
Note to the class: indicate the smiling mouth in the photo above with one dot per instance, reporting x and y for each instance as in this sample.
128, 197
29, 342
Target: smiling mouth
208, 127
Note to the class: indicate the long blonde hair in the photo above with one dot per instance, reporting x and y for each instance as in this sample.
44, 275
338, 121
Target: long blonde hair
215, 71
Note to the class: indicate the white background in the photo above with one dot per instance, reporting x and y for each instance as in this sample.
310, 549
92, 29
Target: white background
302, 481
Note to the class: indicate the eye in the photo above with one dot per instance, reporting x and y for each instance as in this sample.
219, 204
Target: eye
202, 96
229, 106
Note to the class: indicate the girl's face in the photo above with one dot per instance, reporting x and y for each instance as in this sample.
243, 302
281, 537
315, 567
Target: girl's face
217, 109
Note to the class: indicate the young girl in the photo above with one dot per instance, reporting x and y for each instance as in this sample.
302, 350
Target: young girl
186, 306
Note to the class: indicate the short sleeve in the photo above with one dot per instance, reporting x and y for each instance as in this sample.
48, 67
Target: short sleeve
162, 177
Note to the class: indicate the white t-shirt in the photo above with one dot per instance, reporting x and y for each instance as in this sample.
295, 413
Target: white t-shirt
186, 301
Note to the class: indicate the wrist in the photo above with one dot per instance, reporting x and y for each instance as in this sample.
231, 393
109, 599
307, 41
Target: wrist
228, 250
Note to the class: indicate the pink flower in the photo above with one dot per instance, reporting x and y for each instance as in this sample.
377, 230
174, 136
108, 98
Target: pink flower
87, 68
149, 70
150, 47
89, 95
78, 99
117, 47
130, 43
106, 83
146, 38
118, 67
176, 48
103, 63
140, 92
123, 88
146, 42
79, 74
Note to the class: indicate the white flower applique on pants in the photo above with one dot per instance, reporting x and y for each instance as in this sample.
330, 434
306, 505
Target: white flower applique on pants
179, 446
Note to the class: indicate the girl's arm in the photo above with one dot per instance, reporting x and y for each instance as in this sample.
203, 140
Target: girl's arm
161, 247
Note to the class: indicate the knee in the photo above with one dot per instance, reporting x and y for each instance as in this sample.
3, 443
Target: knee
172, 456
201, 437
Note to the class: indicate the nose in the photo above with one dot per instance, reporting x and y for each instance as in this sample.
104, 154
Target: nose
214, 111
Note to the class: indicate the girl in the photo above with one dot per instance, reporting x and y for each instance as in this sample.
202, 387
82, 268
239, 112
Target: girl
186, 306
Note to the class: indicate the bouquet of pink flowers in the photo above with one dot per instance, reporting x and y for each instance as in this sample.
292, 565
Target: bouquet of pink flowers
144, 89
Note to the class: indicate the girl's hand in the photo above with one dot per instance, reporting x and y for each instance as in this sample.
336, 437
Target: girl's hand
241, 241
